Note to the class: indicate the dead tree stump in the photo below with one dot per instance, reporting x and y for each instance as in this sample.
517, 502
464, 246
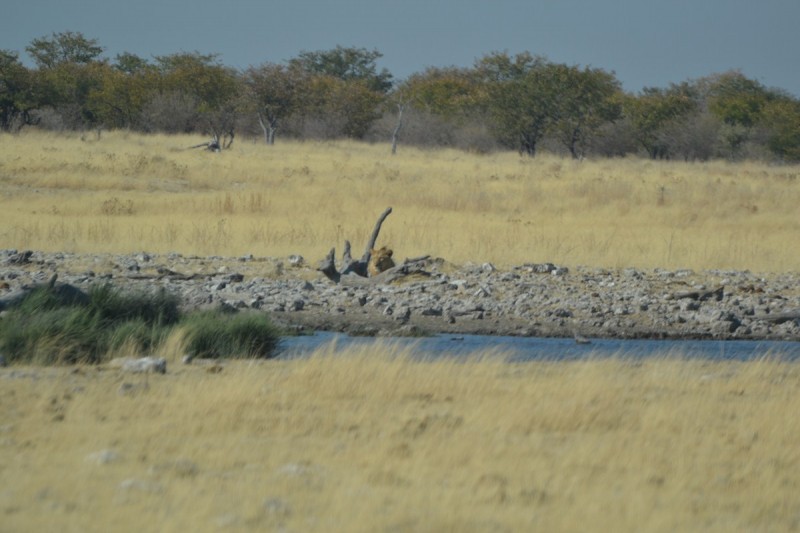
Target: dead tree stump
356, 271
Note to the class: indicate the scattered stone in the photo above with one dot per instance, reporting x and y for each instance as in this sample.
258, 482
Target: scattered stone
277, 508
103, 457
156, 365
140, 485
474, 298
21, 258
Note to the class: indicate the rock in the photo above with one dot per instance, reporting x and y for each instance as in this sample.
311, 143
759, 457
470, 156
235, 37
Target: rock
277, 508
157, 365
20, 258
542, 268
103, 457
140, 485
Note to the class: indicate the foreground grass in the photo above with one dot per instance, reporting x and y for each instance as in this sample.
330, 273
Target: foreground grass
128, 192
376, 441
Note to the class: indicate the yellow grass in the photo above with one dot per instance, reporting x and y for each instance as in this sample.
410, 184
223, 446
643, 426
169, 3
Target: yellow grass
376, 441
126, 192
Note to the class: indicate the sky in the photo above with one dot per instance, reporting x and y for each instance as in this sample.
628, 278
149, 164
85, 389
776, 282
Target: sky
646, 43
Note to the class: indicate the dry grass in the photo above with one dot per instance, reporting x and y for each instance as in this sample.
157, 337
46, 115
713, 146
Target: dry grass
127, 192
376, 441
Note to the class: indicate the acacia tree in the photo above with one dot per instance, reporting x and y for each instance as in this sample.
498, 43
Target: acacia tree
522, 97
586, 99
17, 96
739, 103
212, 89
781, 118
126, 87
63, 48
343, 92
275, 91
655, 110
346, 64
69, 70
451, 93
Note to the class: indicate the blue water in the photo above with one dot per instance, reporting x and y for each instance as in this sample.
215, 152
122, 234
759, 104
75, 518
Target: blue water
537, 348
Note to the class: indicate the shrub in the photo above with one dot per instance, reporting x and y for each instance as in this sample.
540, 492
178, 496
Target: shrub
214, 334
62, 325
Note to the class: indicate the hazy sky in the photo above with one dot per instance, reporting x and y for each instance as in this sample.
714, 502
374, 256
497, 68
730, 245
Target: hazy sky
645, 42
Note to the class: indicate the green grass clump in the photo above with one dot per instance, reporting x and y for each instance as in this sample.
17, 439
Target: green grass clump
63, 325
215, 334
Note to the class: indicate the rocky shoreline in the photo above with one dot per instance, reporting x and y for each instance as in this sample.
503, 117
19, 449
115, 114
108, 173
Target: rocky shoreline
526, 300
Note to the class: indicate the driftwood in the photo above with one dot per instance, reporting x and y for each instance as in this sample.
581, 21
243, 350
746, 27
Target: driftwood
355, 272
779, 318
407, 268
328, 265
216, 144
717, 293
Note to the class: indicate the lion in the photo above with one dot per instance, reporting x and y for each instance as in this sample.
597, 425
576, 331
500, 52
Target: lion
379, 261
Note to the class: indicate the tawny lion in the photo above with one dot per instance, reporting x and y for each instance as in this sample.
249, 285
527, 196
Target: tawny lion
379, 261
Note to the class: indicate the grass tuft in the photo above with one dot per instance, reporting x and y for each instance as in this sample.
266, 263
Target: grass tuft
63, 325
214, 334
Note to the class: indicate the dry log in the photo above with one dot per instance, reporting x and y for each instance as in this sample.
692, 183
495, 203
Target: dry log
328, 266
779, 318
717, 293
407, 268
349, 266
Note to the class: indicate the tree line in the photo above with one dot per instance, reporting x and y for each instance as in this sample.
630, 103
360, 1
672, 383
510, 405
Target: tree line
522, 102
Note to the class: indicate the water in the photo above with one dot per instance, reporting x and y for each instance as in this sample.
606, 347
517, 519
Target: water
537, 348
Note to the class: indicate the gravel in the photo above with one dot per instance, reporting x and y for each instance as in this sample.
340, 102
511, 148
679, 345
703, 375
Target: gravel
528, 300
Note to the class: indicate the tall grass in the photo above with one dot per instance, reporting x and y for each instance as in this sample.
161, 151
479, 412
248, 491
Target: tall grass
130, 192
378, 440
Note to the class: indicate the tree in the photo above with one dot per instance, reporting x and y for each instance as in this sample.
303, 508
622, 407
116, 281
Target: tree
61, 48
781, 117
69, 70
330, 107
214, 88
346, 64
498, 67
585, 100
344, 91
522, 97
125, 89
739, 103
656, 109
68, 89
17, 97
447, 92
131, 64
275, 92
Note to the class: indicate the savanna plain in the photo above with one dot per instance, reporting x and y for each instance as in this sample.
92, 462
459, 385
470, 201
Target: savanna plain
377, 438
